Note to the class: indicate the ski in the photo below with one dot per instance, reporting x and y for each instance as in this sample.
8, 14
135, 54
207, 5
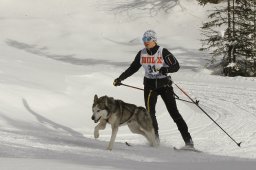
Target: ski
128, 144
189, 149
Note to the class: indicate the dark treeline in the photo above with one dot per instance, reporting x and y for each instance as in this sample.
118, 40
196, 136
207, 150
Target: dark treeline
231, 34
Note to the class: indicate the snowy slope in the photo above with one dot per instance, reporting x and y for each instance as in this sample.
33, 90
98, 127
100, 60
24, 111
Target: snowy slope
56, 55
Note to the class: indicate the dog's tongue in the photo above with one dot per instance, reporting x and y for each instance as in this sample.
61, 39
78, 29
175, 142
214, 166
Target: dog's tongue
96, 121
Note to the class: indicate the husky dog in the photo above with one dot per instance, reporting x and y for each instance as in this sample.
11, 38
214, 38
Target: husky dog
116, 112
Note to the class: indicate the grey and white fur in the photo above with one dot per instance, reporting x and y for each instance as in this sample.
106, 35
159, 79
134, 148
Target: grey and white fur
116, 112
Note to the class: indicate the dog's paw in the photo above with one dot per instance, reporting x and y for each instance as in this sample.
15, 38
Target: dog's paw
96, 134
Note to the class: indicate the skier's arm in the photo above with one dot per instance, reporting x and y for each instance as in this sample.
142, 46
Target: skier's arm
171, 61
134, 67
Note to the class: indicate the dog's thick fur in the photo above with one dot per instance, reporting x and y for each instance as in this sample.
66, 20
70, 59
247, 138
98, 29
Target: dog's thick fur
116, 113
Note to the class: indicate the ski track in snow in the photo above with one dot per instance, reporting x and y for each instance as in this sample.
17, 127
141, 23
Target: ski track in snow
230, 104
44, 138
232, 107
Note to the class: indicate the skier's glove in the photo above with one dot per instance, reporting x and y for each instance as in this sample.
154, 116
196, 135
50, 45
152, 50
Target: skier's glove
117, 82
163, 70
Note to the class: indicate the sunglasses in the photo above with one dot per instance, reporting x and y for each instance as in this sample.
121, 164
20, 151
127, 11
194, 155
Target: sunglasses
147, 39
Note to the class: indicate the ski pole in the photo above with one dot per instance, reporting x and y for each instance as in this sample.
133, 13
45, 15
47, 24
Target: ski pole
177, 97
196, 103
132, 86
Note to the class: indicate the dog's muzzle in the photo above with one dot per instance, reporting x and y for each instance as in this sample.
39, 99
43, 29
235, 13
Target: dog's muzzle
95, 121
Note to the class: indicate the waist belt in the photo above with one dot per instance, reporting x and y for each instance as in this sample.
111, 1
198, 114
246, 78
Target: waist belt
154, 84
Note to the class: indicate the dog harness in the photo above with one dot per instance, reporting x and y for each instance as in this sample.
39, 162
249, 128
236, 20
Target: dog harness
121, 111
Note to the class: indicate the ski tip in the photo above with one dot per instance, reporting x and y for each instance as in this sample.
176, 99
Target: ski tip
127, 144
239, 144
190, 149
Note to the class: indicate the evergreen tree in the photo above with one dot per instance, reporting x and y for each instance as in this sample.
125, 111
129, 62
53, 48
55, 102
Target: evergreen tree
236, 43
217, 34
244, 37
204, 2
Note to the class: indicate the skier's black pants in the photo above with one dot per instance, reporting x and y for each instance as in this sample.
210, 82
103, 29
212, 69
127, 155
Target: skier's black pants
167, 94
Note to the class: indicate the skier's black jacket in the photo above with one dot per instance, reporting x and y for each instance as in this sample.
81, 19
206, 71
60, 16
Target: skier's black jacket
169, 59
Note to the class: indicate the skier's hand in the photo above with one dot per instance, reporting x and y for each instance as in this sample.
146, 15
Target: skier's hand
163, 70
117, 82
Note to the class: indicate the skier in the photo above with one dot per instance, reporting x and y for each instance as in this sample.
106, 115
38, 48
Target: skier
157, 62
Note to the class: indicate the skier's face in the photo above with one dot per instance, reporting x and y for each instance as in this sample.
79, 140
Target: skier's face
149, 44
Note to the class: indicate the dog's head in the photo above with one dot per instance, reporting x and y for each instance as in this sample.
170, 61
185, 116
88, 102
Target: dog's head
101, 107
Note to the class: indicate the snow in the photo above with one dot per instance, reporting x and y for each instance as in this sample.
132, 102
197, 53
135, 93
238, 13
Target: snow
231, 65
56, 55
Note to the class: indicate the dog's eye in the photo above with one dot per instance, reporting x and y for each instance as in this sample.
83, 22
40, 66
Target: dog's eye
98, 111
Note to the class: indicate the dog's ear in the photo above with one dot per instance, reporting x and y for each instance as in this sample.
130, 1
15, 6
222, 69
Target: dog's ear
95, 98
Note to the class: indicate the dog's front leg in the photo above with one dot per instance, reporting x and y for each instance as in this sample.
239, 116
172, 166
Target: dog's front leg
100, 126
113, 136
